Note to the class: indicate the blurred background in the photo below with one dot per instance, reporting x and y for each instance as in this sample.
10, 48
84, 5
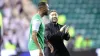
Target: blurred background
83, 17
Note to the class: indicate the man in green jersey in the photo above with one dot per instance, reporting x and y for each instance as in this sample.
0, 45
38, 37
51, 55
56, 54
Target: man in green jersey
36, 36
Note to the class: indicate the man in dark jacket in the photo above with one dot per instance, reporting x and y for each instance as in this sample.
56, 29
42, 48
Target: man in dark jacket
55, 34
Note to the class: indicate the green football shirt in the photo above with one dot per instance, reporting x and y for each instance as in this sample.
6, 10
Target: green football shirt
38, 26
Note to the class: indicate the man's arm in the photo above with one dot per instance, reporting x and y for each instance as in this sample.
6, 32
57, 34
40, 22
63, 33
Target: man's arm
35, 29
34, 37
66, 36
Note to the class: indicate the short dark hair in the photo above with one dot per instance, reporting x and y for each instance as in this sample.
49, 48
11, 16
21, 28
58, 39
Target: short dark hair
41, 4
52, 11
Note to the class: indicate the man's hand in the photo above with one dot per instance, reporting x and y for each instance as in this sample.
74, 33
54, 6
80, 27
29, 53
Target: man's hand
62, 28
51, 47
66, 30
40, 53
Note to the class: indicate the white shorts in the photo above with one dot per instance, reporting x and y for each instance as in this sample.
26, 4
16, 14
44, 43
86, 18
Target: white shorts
35, 53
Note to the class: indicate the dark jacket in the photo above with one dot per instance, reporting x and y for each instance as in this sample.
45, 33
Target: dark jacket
55, 37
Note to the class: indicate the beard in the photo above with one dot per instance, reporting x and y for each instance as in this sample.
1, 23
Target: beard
45, 13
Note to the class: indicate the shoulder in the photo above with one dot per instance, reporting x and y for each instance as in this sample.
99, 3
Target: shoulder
36, 21
48, 24
36, 16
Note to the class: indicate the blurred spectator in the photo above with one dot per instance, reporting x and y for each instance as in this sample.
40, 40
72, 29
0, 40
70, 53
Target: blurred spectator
78, 42
1, 26
44, 1
71, 31
16, 24
29, 8
70, 44
7, 10
1, 3
87, 43
5, 23
62, 19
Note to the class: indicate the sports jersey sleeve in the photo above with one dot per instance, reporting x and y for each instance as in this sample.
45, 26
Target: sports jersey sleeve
35, 25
